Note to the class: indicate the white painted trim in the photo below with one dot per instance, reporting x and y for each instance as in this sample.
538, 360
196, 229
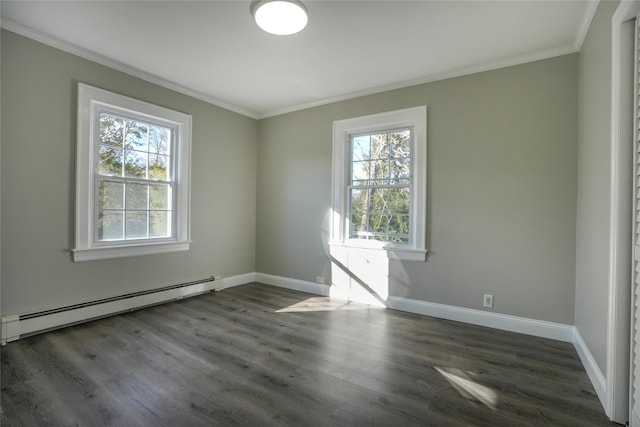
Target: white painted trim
505, 322
293, 284
119, 66
91, 102
240, 279
480, 68
589, 13
414, 117
591, 366
10, 328
539, 328
615, 398
13, 327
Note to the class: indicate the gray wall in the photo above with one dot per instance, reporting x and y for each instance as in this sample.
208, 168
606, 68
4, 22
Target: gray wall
39, 87
594, 157
502, 188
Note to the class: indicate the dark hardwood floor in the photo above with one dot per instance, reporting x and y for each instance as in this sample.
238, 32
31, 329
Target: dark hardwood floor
257, 355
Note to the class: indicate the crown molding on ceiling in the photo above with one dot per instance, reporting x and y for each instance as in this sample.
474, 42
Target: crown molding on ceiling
478, 68
490, 66
589, 13
119, 66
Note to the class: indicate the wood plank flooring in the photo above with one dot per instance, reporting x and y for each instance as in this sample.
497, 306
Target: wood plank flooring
257, 355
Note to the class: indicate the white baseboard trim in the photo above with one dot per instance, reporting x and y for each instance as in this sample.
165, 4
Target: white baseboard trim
237, 280
538, 328
15, 325
594, 373
293, 284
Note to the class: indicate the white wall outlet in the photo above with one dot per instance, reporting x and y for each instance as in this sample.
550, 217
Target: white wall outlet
487, 301
320, 279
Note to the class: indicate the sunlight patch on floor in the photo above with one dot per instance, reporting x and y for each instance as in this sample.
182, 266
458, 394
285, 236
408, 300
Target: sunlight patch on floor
469, 388
322, 304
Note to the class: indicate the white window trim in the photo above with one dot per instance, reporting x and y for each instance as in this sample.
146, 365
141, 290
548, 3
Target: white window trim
90, 100
415, 117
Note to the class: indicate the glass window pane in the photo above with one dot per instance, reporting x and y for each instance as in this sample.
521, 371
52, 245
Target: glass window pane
400, 143
137, 137
136, 226
111, 195
160, 224
137, 196
110, 161
360, 173
111, 128
379, 146
159, 140
400, 170
136, 164
359, 211
398, 201
110, 225
361, 148
159, 196
158, 167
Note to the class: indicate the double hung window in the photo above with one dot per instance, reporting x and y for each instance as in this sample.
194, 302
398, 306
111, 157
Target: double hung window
132, 177
379, 183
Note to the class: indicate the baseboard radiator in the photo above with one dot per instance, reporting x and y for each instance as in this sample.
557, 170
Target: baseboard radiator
20, 325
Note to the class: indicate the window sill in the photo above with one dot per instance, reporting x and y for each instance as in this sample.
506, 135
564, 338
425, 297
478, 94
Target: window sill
108, 252
393, 252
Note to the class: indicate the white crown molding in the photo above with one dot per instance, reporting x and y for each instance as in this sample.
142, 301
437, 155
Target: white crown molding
479, 68
119, 66
589, 13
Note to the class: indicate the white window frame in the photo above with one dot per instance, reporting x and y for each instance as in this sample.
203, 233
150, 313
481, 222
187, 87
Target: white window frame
416, 118
91, 101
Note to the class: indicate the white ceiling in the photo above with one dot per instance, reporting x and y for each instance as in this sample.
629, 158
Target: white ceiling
214, 51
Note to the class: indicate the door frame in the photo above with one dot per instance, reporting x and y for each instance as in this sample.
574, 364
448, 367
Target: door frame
619, 287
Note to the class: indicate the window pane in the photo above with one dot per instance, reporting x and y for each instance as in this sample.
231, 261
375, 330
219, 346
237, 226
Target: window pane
361, 148
379, 147
110, 161
137, 196
159, 140
380, 160
135, 164
159, 196
400, 170
137, 137
110, 225
160, 224
111, 128
398, 201
136, 225
111, 195
158, 167
360, 173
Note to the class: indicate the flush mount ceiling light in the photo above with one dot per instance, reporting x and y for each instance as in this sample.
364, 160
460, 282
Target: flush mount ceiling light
280, 17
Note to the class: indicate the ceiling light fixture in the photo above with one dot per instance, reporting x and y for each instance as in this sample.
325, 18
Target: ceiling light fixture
280, 17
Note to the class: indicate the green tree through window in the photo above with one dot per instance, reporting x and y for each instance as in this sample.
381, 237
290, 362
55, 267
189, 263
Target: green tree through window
380, 185
134, 179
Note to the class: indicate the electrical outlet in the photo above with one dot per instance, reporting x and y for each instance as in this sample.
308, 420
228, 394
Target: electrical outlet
320, 279
487, 301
